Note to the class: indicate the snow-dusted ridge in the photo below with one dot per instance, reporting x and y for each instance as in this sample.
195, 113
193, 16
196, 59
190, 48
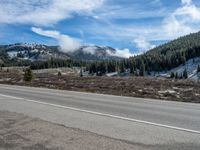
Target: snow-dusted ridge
191, 67
43, 52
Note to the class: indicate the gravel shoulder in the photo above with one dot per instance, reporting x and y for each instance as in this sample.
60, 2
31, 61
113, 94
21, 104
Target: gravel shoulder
18, 132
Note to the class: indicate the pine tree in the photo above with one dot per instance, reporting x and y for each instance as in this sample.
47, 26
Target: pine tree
59, 73
81, 72
93, 68
176, 75
122, 67
142, 69
172, 75
185, 74
198, 69
101, 69
28, 75
198, 72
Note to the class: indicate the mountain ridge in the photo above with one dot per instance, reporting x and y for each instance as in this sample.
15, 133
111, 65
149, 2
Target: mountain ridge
41, 52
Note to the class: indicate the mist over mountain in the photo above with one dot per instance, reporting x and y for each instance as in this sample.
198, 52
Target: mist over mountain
39, 52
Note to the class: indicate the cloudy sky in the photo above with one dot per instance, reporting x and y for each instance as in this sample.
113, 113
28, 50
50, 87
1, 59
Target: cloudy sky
130, 25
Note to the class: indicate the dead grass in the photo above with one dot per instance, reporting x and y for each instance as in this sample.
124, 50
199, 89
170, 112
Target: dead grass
156, 88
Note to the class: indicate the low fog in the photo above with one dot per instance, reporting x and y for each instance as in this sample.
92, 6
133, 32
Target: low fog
68, 44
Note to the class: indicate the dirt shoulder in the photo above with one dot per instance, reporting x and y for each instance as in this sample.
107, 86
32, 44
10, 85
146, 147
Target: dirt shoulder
20, 132
156, 88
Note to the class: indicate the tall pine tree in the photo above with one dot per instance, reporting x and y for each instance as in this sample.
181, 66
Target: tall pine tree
185, 74
142, 69
198, 69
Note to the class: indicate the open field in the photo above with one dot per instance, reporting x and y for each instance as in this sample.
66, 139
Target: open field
156, 88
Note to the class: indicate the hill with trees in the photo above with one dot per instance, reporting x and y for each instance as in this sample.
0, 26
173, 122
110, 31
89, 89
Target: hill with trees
39, 52
160, 59
170, 55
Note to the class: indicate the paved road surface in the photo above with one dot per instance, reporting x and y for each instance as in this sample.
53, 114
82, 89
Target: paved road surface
151, 123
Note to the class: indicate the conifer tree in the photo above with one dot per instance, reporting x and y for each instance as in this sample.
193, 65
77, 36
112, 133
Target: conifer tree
172, 75
122, 67
185, 74
176, 75
59, 73
28, 75
81, 72
198, 69
142, 69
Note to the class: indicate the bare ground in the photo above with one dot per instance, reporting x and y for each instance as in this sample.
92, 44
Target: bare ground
156, 88
18, 132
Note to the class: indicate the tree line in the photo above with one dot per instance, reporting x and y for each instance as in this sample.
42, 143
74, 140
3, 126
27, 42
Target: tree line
162, 58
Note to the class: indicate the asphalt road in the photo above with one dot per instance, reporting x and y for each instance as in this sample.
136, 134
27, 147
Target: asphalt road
152, 124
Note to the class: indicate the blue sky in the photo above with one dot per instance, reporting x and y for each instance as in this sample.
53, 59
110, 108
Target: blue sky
132, 26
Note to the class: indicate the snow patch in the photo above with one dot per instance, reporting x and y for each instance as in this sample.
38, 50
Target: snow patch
167, 92
191, 67
12, 54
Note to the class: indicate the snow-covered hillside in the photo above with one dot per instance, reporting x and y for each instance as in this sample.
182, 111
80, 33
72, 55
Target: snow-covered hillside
191, 66
43, 52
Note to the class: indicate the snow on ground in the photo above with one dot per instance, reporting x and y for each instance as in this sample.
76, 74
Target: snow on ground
12, 54
31, 45
35, 51
191, 66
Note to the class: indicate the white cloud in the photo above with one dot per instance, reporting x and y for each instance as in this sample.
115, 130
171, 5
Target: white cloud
181, 21
176, 22
174, 28
186, 2
43, 12
67, 43
142, 44
90, 50
124, 53
188, 10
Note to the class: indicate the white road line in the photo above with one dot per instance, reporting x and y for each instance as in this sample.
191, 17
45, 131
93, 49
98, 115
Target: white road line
104, 114
8, 96
68, 94
47, 90
50, 92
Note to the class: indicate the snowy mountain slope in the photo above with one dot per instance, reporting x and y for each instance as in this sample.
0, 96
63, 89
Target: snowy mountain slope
36, 52
191, 67
32, 52
93, 53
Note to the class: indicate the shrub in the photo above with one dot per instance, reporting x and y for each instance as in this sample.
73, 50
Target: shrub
172, 75
59, 73
28, 75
